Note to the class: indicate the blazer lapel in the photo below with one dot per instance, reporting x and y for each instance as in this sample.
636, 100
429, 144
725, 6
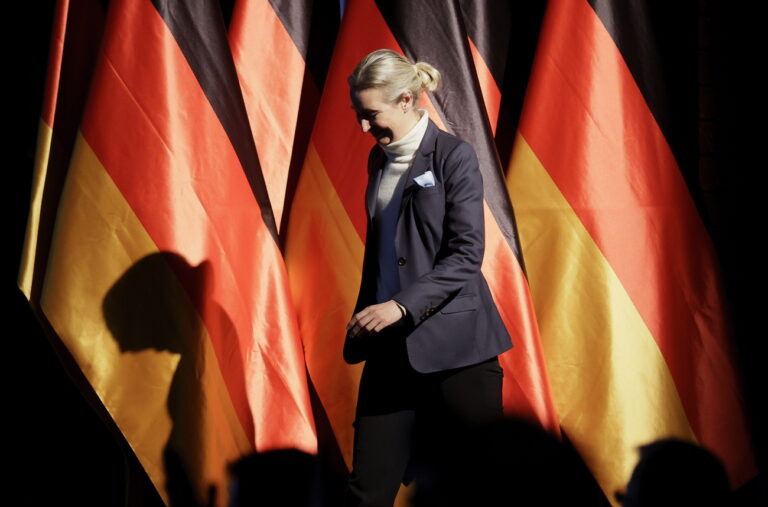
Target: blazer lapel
420, 163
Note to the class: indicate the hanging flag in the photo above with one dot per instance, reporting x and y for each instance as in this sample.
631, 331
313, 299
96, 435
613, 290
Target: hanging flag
165, 281
324, 250
281, 50
77, 30
623, 273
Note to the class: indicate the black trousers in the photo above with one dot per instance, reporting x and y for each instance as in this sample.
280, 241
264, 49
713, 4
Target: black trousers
399, 408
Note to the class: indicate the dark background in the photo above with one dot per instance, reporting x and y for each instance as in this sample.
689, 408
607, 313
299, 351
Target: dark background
713, 54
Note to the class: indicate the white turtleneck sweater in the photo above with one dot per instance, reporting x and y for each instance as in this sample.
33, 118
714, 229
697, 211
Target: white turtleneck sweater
400, 155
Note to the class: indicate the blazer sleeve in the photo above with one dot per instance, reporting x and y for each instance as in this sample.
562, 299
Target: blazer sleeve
461, 257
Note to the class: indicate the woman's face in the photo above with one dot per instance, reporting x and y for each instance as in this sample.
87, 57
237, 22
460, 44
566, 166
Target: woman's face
385, 121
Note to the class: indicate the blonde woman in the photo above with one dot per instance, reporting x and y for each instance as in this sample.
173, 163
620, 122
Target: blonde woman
425, 321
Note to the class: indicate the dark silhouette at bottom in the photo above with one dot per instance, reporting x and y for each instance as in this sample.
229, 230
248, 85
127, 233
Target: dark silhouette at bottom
506, 462
674, 472
283, 477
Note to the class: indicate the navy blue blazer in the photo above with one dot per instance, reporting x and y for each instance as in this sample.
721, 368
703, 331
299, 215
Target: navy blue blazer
451, 319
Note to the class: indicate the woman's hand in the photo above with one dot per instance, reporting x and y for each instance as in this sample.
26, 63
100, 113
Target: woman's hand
374, 318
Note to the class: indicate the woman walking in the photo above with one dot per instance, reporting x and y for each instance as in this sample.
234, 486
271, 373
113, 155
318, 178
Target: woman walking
425, 321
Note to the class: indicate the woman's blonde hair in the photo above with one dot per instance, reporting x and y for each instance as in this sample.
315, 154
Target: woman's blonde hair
394, 74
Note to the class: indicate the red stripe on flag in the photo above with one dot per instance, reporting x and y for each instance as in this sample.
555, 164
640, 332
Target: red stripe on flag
488, 87
55, 56
272, 89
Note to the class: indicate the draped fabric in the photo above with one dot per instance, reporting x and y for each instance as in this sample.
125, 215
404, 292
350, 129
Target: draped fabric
164, 280
623, 274
196, 228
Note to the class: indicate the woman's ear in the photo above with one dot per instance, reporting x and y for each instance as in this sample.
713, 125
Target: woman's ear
406, 101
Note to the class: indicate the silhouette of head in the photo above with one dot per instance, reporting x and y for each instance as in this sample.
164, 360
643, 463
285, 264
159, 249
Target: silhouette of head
675, 472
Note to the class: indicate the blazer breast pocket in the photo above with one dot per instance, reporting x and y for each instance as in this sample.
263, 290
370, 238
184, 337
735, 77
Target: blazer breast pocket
424, 213
428, 199
427, 191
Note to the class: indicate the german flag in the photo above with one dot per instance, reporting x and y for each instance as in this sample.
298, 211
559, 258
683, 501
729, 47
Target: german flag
77, 31
165, 282
324, 251
623, 273
281, 50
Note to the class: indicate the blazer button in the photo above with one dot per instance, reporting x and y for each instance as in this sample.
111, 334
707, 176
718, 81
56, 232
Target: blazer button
401, 261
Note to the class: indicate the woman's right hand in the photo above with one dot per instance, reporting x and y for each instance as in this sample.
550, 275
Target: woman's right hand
374, 318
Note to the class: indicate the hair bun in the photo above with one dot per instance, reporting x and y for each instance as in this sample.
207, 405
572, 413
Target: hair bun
428, 75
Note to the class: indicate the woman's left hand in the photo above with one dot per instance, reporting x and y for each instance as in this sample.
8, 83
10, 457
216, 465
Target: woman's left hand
374, 318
